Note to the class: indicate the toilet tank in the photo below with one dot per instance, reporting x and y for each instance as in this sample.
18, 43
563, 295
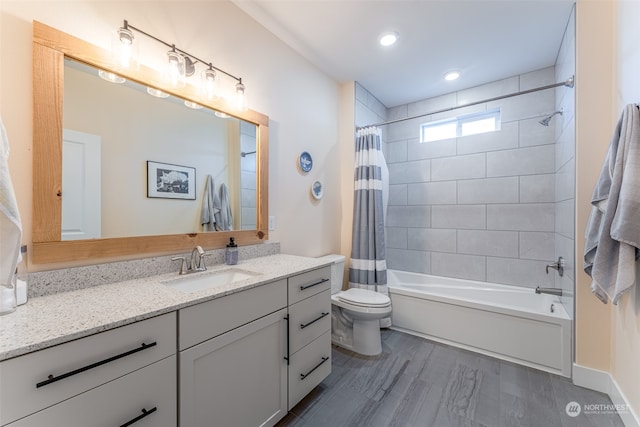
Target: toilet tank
337, 270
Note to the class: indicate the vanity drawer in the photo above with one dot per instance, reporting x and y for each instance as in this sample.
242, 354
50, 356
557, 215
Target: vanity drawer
309, 367
310, 283
118, 402
43, 378
309, 319
212, 318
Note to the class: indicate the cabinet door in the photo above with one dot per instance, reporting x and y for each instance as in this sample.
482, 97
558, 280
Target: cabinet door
119, 402
238, 378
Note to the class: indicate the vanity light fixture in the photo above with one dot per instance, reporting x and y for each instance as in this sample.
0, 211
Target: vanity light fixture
221, 115
181, 65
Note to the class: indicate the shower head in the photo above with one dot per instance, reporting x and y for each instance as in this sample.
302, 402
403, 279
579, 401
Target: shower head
546, 120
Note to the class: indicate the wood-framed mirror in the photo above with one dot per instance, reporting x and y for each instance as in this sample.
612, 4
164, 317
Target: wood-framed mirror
53, 53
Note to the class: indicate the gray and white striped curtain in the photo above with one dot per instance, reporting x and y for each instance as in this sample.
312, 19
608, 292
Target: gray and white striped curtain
368, 267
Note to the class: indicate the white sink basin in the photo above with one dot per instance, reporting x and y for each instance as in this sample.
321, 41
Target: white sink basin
205, 280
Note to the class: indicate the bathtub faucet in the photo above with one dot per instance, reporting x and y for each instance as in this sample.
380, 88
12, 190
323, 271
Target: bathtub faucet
551, 291
558, 265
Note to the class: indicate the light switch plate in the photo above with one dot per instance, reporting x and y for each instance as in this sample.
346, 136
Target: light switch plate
272, 222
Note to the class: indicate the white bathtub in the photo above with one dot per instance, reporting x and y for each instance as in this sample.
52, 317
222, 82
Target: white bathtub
507, 322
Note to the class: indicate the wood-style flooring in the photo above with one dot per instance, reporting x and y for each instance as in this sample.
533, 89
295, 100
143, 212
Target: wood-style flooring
416, 382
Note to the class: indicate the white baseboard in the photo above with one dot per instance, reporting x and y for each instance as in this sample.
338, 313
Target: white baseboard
603, 382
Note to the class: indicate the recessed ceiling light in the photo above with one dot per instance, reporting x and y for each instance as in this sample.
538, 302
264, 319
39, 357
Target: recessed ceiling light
388, 38
451, 76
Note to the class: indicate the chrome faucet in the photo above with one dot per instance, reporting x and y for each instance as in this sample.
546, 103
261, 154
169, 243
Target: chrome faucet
196, 259
550, 291
195, 264
558, 265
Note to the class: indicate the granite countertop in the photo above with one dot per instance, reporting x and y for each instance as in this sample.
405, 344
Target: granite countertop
55, 319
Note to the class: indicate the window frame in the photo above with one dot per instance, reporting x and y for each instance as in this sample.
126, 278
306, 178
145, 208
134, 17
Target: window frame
460, 121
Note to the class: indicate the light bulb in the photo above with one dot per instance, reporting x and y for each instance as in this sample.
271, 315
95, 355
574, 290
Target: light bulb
124, 50
241, 98
175, 69
210, 84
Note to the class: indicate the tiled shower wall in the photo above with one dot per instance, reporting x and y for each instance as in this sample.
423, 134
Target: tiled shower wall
369, 110
480, 207
565, 167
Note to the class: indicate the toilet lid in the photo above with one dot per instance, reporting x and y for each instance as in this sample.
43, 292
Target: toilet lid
364, 297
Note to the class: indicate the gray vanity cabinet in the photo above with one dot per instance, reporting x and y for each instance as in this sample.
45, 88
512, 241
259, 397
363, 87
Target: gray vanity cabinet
110, 378
238, 376
248, 358
309, 297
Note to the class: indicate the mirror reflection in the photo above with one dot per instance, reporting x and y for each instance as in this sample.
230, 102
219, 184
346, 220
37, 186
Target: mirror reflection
137, 165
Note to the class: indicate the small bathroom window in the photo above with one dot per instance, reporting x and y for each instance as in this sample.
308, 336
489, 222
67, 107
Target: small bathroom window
470, 124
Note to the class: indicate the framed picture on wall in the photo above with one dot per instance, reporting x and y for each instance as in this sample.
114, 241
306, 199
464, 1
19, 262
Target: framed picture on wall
169, 181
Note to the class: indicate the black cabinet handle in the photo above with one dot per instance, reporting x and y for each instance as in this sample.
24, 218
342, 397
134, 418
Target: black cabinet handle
319, 282
303, 376
287, 356
139, 417
52, 379
304, 325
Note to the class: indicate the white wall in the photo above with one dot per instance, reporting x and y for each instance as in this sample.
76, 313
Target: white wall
607, 66
301, 102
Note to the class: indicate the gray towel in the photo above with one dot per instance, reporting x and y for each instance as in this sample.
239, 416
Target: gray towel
210, 206
224, 219
613, 231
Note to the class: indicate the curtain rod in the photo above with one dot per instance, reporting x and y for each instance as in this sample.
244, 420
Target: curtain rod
568, 83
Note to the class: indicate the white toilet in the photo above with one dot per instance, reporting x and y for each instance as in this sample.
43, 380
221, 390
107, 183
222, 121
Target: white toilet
355, 313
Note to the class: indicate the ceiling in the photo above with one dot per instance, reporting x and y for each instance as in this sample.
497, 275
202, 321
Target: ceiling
484, 40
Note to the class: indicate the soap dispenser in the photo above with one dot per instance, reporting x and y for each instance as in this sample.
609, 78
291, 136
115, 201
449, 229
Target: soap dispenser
231, 254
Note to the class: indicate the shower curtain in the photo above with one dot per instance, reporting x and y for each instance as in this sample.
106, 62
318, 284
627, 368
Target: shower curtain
368, 267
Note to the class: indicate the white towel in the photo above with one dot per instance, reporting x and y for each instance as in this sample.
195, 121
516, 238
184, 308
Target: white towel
10, 225
210, 206
224, 220
613, 231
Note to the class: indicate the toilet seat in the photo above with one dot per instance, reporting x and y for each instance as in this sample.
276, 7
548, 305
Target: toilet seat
364, 298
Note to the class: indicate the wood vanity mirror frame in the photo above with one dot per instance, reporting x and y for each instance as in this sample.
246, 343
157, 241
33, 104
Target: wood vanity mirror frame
50, 47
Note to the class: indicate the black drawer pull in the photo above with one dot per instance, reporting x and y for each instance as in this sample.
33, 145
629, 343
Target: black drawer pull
139, 417
53, 379
287, 356
303, 376
319, 282
304, 325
